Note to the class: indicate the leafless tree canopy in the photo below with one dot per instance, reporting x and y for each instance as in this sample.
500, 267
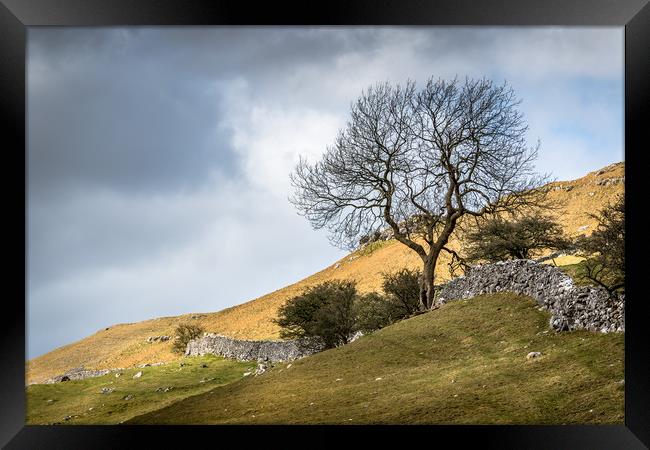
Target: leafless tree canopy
417, 161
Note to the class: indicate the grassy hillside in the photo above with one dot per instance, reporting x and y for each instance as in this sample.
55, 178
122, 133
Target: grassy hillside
124, 345
464, 363
82, 401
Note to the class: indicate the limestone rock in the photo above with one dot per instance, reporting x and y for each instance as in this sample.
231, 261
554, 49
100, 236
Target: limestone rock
533, 355
247, 350
572, 307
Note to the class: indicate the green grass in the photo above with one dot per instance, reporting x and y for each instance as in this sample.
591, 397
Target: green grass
462, 364
83, 403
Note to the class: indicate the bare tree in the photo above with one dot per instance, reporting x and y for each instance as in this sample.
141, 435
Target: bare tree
418, 161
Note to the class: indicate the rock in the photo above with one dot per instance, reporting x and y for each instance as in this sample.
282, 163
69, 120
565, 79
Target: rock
572, 307
532, 355
355, 336
129, 397
247, 350
151, 339
262, 367
106, 390
138, 375
118, 374
78, 373
246, 374
66, 418
378, 378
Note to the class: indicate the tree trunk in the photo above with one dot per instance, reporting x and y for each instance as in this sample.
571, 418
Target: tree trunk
427, 289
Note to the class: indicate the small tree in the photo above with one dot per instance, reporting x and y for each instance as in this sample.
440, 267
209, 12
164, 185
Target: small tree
498, 239
323, 312
403, 289
184, 333
605, 248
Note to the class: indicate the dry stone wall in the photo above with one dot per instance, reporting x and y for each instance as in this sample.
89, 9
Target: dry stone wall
572, 307
78, 373
245, 350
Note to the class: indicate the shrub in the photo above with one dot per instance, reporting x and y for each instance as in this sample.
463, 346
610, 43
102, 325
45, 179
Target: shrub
323, 312
374, 311
403, 291
184, 333
497, 239
605, 249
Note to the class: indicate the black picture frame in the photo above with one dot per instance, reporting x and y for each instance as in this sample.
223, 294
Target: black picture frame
17, 15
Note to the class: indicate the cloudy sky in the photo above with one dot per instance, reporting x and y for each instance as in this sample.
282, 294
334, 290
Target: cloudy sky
159, 157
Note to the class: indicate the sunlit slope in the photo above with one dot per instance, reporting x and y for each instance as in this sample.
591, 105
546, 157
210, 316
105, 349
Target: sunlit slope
124, 345
465, 363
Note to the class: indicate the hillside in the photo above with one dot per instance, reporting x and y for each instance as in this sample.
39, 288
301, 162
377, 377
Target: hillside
109, 399
125, 345
465, 363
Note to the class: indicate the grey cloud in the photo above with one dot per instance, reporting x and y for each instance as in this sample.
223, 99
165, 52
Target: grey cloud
123, 122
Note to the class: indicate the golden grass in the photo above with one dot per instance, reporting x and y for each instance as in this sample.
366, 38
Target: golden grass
123, 345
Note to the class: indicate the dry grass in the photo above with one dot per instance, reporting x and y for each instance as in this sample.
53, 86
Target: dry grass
123, 345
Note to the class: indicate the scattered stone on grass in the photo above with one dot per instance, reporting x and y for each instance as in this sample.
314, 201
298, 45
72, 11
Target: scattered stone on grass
533, 355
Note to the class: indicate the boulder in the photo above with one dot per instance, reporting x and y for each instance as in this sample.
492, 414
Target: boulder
533, 355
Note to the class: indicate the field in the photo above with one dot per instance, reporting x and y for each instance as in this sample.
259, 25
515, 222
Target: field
464, 363
81, 402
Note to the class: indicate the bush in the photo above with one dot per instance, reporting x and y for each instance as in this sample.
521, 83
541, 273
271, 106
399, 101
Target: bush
403, 291
184, 333
374, 311
323, 312
498, 240
605, 249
